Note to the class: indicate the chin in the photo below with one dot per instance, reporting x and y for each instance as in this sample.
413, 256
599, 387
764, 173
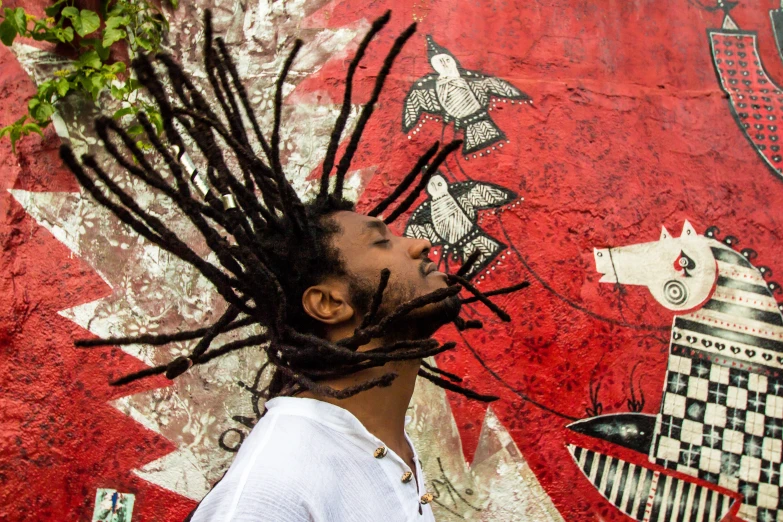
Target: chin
429, 319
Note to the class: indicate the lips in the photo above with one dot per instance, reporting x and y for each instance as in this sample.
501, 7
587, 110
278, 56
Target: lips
432, 267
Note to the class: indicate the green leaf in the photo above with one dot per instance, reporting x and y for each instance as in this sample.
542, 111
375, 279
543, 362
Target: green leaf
32, 127
40, 111
55, 8
64, 35
123, 112
135, 130
116, 9
7, 32
88, 22
113, 35
16, 133
174, 3
96, 83
71, 13
133, 84
156, 119
116, 68
116, 22
144, 43
62, 87
90, 59
19, 19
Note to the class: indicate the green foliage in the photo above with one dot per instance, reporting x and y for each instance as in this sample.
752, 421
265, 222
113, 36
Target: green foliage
138, 24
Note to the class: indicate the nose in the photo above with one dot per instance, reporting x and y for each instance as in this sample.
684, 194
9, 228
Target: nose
419, 248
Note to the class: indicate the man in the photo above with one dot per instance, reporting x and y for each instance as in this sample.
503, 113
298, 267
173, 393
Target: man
314, 457
345, 307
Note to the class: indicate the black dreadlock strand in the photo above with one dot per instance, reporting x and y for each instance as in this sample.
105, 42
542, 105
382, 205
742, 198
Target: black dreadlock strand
448, 385
406, 182
342, 118
499, 291
160, 339
463, 324
469, 262
270, 245
367, 110
480, 296
425, 178
434, 369
376, 300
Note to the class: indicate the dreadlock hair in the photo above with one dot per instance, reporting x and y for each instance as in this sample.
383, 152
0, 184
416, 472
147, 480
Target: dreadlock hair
270, 245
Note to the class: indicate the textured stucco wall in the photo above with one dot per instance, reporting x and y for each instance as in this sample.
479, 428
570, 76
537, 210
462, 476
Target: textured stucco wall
634, 125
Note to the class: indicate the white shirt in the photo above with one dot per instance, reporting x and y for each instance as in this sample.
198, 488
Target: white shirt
310, 461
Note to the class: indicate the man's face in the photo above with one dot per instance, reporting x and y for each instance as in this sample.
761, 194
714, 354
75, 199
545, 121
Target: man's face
367, 246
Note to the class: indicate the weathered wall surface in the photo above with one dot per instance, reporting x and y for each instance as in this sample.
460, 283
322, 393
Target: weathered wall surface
640, 377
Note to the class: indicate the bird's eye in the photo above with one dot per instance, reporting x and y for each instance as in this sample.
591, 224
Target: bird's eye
440, 184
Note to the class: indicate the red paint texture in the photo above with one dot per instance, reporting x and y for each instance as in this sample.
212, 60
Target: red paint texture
629, 131
60, 439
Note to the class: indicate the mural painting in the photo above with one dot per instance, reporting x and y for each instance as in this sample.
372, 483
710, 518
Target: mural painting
638, 379
462, 96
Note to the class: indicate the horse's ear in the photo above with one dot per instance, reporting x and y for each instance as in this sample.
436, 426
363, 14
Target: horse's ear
688, 230
665, 234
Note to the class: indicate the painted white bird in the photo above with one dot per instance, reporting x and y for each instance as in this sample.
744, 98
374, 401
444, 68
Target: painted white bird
448, 219
458, 95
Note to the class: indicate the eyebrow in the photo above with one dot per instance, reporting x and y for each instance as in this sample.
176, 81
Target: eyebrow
375, 224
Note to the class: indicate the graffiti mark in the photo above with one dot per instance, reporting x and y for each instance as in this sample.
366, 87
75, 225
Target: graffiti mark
634, 404
444, 492
458, 95
113, 506
231, 439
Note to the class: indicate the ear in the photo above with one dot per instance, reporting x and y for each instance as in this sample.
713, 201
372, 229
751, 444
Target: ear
688, 230
328, 303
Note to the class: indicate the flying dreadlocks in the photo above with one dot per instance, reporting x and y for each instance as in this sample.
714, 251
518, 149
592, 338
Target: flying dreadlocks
270, 245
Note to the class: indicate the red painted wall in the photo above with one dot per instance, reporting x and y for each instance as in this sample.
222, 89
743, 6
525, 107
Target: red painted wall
629, 131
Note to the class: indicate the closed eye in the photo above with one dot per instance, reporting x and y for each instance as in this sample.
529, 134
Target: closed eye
382, 242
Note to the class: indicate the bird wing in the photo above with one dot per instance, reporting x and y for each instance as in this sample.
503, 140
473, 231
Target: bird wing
421, 98
420, 225
485, 86
476, 195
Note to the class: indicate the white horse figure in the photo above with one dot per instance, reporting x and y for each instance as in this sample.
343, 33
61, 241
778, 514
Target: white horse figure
721, 416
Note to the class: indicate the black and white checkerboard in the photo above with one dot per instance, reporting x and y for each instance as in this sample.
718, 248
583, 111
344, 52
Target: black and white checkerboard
724, 425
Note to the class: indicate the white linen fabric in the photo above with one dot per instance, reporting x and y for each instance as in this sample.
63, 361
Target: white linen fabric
310, 461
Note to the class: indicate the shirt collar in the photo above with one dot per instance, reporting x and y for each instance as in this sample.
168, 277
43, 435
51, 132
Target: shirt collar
322, 412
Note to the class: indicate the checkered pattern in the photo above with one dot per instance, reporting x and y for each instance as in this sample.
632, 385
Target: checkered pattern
724, 425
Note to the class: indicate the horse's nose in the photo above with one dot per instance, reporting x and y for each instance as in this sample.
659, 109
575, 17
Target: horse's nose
603, 265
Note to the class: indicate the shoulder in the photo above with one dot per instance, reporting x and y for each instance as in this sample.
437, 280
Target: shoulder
281, 469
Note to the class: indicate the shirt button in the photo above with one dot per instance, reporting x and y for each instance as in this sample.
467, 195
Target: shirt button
380, 452
406, 477
426, 498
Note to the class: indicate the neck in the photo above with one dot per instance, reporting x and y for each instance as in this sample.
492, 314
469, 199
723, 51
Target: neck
381, 410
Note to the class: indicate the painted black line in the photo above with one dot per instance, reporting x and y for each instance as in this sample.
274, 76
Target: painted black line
511, 388
568, 301
730, 335
730, 256
644, 491
741, 285
744, 311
